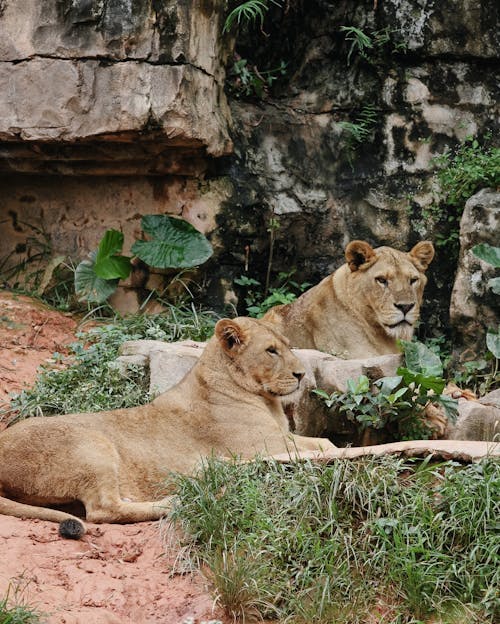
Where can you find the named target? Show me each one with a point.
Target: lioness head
(389, 284)
(258, 356)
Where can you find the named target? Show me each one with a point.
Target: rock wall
(112, 109)
(430, 83)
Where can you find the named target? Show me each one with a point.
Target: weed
(258, 303)
(174, 243)
(365, 44)
(360, 131)
(15, 611)
(306, 542)
(461, 173)
(248, 12)
(247, 80)
(92, 381)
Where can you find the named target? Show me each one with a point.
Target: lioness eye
(381, 280)
(413, 280)
(272, 351)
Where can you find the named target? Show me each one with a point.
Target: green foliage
(359, 40)
(308, 543)
(360, 131)
(466, 170)
(92, 380)
(108, 264)
(16, 612)
(88, 285)
(461, 173)
(479, 375)
(258, 303)
(364, 44)
(174, 243)
(396, 403)
(249, 12)
(249, 81)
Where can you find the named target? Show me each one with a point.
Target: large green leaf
(488, 253)
(420, 359)
(89, 286)
(108, 264)
(175, 243)
(493, 342)
(428, 382)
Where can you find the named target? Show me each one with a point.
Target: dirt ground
(117, 574)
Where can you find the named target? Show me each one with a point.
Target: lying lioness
(361, 309)
(114, 462)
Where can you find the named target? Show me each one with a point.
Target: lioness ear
(422, 254)
(357, 253)
(230, 335)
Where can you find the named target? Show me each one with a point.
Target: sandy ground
(117, 574)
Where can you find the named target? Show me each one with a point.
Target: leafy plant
(397, 403)
(461, 173)
(363, 43)
(309, 543)
(359, 131)
(15, 611)
(359, 40)
(174, 243)
(246, 79)
(249, 11)
(483, 374)
(258, 303)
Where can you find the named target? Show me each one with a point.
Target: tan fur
(115, 462)
(352, 313)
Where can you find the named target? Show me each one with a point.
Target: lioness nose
(299, 375)
(404, 307)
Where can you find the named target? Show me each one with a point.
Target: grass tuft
(409, 540)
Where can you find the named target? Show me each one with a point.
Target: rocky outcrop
(474, 307)
(111, 87)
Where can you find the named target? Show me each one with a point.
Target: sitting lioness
(361, 309)
(114, 462)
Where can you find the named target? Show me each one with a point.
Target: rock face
(110, 109)
(425, 84)
(107, 72)
(474, 307)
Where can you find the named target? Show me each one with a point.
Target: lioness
(362, 308)
(114, 462)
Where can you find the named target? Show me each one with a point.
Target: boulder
(477, 420)
(474, 307)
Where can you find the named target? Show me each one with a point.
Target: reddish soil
(117, 574)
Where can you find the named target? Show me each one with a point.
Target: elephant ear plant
(173, 244)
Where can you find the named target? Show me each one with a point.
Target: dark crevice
(107, 61)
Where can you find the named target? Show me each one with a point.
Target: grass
(91, 381)
(407, 541)
(16, 612)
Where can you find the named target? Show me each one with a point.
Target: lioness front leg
(101, 507)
